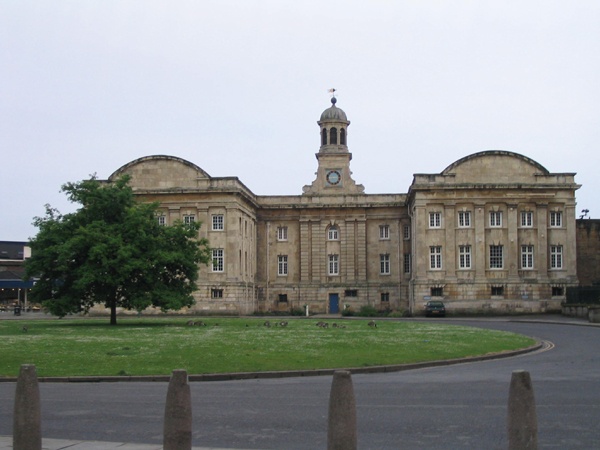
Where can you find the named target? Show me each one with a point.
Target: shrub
(367, 311)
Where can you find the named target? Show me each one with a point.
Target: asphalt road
(453, 407)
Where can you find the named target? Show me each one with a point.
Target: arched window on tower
(333, 136)
(324, 136)
(342, 136)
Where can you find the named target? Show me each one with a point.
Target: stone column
(341, 424)
(522, 417)
(27, 430)
(178, 413)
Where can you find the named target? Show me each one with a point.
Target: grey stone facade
(494, 231)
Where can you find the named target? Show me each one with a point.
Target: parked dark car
(435, 308)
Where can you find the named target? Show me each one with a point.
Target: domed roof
(333, 113)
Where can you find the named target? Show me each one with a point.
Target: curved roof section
(493, 153)
(161, 172)
(123, 169)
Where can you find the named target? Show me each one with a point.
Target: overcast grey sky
(236, 87)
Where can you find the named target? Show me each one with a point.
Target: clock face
(333, 177)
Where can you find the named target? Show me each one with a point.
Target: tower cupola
(334, 129)
(333, 174)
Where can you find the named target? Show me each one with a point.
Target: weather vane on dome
(332, 92)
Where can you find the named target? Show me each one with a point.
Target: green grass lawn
(156, 346)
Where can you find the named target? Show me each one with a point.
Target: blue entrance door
(334, 303)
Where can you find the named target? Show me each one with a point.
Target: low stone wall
(575, 310)
(594, 314)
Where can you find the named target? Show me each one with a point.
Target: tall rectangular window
(435, 220)
(334, 265)
(464, 256)
(385, 297)
(406, 232)
(495, 218)
(162, 220)
(218, 260)
(496, 257)
(218, 222)
(333, 233)
(282, 265)
(282, 233)
(407, 263)
(526, 219)
(526, 256)
(556, 257)
(384, 264)
(189, 218)
(435, 257)
(384, 232)
(555, 219)
(464, 219)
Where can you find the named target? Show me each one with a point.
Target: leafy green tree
(112, 251)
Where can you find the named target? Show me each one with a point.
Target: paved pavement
(6, 442)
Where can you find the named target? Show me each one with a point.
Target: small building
(13, 289)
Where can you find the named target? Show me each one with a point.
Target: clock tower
(333, 174)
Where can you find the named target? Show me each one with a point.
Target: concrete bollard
(27, 426)
(522, 417)
(341, 423)
(178, 413)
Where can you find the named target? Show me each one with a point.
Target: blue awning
(16, 284)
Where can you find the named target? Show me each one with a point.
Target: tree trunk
(113, 312)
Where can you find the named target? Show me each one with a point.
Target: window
(526, 256)
(282, 265)
(218, 224)
(384, 232)
(464, 256)
(334, 265)
(464, 219)
(333, 136)
(437, 291)
(496, 258)
(556, 259)
(189, 218)
(406, 232)
(407, 263)
(342, 136)
(498, 290)
(162, 220)
(350, 293)
(526, 219)
(435, 257)
(495, 218)
(555, 219)
(435, 220)
(216, 293)
(384, 264)
(283, 298)
(217, 258)
(558, 291)
(333, 234)
(385, 297)
(282, 234)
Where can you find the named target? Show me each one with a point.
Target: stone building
(495, 230)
